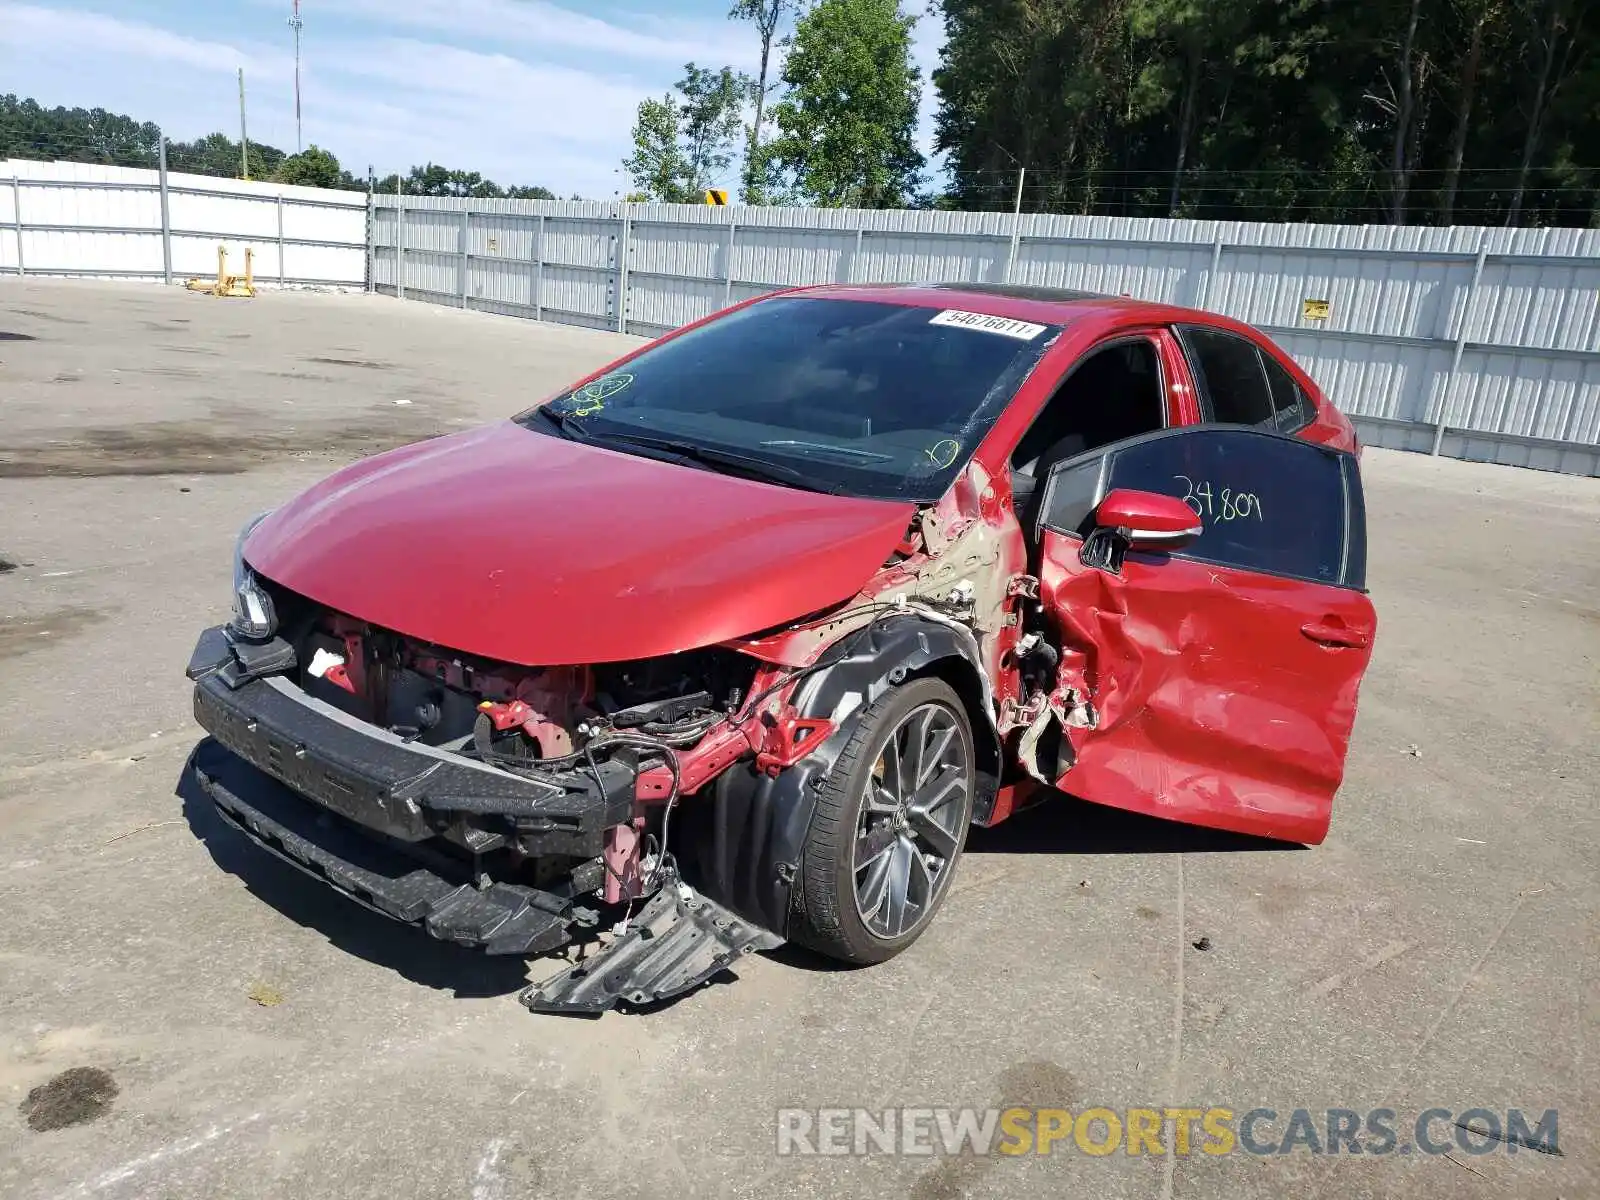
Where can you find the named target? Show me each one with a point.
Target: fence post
(538, 271)
(399, 245)
(166, 213)
(281, 273)
(727, 266)
(1446, 394)
(851, 276)
(463, 239)
(372, 233)
(16, 217)
(622, 268)
(1211, 274)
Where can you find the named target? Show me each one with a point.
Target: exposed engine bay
(529, 721)
(547, 804)
(510, 715)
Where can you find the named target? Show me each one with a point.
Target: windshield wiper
(846, 451)
(745, 464)
(568, 424)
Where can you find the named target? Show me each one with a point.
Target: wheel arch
(743, 837)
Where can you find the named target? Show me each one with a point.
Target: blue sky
(526, 91)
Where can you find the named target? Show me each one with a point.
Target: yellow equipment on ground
(243, 286)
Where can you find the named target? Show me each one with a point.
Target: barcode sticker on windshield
(1024, 331)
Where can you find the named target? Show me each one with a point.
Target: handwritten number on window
(1212, 505)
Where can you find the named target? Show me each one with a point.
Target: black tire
(827, 916)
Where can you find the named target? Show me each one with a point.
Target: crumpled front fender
(743, 837)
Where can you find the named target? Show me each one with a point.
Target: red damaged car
(731, 642)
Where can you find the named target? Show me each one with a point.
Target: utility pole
(295, 23)
(1016, 223)
(244, 138)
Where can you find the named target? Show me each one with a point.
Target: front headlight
(253, 615)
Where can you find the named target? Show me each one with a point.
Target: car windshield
(848, 396)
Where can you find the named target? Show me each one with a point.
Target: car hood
(527, 548)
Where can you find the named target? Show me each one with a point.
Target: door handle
(1328, 634)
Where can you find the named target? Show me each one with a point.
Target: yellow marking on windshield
(943, 452)
(592, 396)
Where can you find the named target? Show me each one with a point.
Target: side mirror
(1149, 520)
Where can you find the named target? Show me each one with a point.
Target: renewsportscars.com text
(1099, 1131)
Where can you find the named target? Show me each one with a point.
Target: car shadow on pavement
(355, 930)
(1063, 824)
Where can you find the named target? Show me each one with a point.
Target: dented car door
(1221, 676)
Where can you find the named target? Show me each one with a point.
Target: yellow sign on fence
(716, 195)
(1315, 310)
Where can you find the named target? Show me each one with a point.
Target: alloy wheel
(910, 825)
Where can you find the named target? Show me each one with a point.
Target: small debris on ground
(266, 995)
(6, 564)
(139, 829)
(76, 1095)
(1414, 751)
(183, 489)
(1083, 883)
(1203, 944)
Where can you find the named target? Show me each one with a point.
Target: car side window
(1265, 502)
(1113, 393)
(1231, 377)
(1291, 406)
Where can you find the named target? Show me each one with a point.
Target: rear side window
(1230, 377)
(1355, 553)
(1290, 405)
(1266, 503)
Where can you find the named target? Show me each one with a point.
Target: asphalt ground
(264, 1037)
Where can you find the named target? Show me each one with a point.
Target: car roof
(1023, 302)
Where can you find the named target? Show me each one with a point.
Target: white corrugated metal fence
(80, 219)
(1480, 343)
(1477, 343)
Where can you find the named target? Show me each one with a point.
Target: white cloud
(524, 91)
(498, 88)
(514, 121)
(66, 33)
(548, 27)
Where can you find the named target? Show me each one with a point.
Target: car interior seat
(1116, 394)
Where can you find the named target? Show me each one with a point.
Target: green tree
(1184, 52)
(684, 142)
(93, 135)
(658, 166)
(218, 154)
(435, 180)
(847, 124)
(313, 167)
(710, 111)
(1480, 19)
(765, 15)
(1482, 111)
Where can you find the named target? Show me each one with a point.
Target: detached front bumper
(397, 826)
(405, 790)
(434, 895)
(401, 829)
